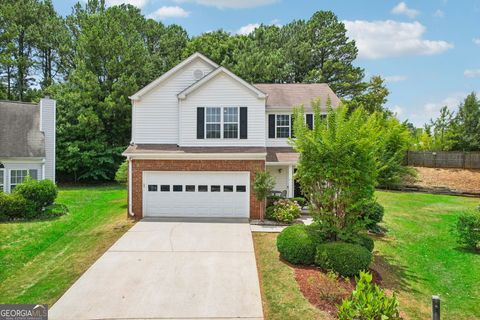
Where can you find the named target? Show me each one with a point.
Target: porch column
(291, 188)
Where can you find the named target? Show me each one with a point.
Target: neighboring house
(27, 142)
(199, 135)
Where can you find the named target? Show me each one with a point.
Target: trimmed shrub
(363, 240)
(14, 206)
(468, 230)
(121, 176)
(285, 210)
(372, 213)
(269, 213)
(347, 259)
(368, 302)
(40, 193)
(296, 245)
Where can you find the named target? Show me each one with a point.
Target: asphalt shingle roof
(20, 134)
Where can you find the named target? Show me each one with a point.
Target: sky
(427, 51)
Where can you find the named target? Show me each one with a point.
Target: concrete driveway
(170, 270)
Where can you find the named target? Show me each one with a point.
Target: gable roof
(287, 95)
(213, 74)
(20, 134)
(137, 95)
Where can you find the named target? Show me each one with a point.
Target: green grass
(421, 257)
(281, 296)
(417, 258)
(40, 260)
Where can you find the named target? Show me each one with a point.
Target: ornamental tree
(337, 169)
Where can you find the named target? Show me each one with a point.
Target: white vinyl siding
(31, 167)
(280, 174)
(47, 125)
(222, 91)
(155, 115)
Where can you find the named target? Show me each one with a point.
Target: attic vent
(197, 74)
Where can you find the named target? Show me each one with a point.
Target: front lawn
(417, 258)
(40, 260)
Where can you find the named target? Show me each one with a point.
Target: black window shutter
(309, 120)
(200, 123)
(243, 123)
(292, 133)
(271, 126)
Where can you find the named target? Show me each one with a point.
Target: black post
(435, 308)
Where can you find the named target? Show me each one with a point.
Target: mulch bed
(323, 291)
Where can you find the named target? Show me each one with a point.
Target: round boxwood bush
(372, 213)
(40, 193)
(365, 241)
(347, 259)
(296, 245)
(14, 206)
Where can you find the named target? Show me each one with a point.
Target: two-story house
(199, 135)
(27, 142)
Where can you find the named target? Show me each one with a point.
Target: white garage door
(196, 194)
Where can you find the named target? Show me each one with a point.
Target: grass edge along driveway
(40, 260)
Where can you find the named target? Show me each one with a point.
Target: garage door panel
(225, 203)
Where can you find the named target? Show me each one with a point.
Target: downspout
(130, 211)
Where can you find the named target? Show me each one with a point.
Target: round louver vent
(197, 74)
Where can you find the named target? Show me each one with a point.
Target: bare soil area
(465, 180)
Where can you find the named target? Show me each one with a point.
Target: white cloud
(247, 29)
(476, 41)
(439, 14)
(431, 110)
(388, 38)
(395, 78)
(231, 4)
(402, 8)
(472, 73)
(169, 12)
(397, 110)
(136, 3)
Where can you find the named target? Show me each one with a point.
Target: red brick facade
(138, 166)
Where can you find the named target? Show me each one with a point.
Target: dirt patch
(325, 290)
(465, 180)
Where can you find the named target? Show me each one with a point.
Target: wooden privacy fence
(444, 159)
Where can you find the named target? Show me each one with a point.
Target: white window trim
(222, 122)
(283, 126)
(17, 183)
(3, 187)
(208, 122)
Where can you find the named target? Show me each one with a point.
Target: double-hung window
(213, 123)
(17, 177)
(230, 123)
(283, 125)
(222, 123)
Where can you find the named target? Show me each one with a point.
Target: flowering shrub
(285, 210)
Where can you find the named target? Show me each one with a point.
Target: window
(283, 125)
(213, 123)
(177, 188)
(165, 188)
(227, 188)
(152, 187)
(190, 188)
(202, 188)
(16, 177)
(215, 188)
(2, 180)
(230, 123)
(241, 188)
(33, 173)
